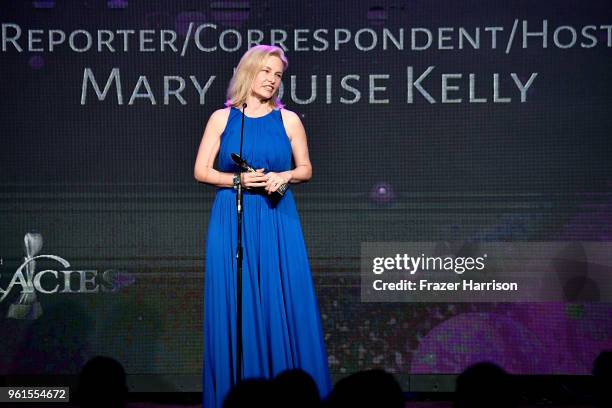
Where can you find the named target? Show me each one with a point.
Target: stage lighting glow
(36, 62)
(186, 17)
(231, 13)
(377, 16)
(44, 4)
(117, 4)
(382, 193)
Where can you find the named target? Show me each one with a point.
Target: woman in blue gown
(281, 328)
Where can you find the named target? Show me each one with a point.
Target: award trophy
(276, 196)
(28, 307)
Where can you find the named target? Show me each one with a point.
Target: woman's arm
(299, 147)
(209, 147)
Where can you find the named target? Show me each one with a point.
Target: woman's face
(268, 79)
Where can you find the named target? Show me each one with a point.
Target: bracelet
(236, 181)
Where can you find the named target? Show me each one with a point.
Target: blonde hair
(250, 64)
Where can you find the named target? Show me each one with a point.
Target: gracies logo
(51, 281)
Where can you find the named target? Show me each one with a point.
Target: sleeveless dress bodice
(265, 142)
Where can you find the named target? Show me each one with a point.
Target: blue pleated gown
(281, 326)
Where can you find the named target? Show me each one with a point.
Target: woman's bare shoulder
(290, 117)
(218, 119)
(221, 114)
(293, 124)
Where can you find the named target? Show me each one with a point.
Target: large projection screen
(427, 121)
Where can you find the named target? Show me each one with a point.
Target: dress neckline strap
(255, 117)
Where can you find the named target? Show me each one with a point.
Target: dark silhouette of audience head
(602, 373)
(255, 392)
(297, 389)
(484, 385)
(370, 388)
(102, 384)
(291, 388)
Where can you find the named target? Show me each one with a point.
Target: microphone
(242, 163)
(239, 265)
(276, 196)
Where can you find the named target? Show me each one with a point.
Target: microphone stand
(239, 267)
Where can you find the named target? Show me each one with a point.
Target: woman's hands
(270, 181)
(274, 181)
(251, 180)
